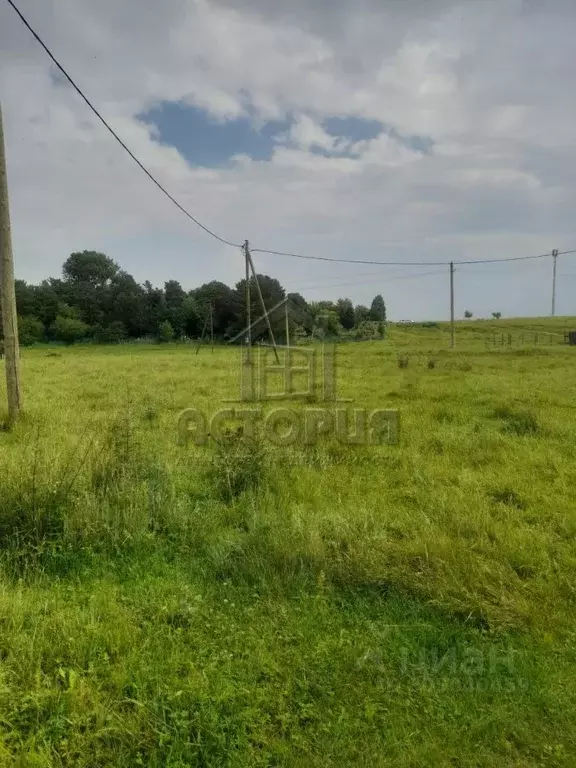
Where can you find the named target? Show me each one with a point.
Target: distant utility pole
(287, 321)
(248, 308)
(8, 294)
(555, 258)
(262, 302)
(211, 327)
(452, 336)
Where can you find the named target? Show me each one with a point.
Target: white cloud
(489, 82)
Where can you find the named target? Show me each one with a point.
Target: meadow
(244, 605)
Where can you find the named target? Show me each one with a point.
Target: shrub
(518, 422)
(30, 330)
(112, 334)
(69, 330)
(240, 463)
(165, 332)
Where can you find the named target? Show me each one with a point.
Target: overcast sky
(401, 130)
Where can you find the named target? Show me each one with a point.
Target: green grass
(407, 605)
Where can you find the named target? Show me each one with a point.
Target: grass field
(404, 605)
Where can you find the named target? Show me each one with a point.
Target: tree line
(96, 300)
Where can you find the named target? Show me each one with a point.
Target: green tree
(89, 267)
(86, 282)
(174, 296)
(378, 309)
(327, 325)
(45, 303)
(125, 303)
(30, 330)
(193, 322)
(468, 314)
(361, 314)
(24, 298)
(273, 294)
(496, 315)
(300, 315)
(154, 308)
(112, 334)
(69, 329)
(345, 310)
(165, 332)
(224, 302)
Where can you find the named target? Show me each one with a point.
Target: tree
(69, 329)
(113, 334)
(45, 303)
(174, 296)
(125, 303)
(85, 285)
(154, 308)
(345, 310)
(361, 314)
(165, 332)
(496, 315)
(300, 315)
(468, 314)
(24, 298)
(192, 321)
(378, 310)
(30, 330)
(89, 267)
(273, 294)
(225, 307)
(327, 325)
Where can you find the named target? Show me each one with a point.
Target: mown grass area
(249, 605)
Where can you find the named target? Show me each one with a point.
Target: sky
(380, 130)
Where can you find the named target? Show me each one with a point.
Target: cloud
(472, 160)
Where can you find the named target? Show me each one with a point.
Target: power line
(407, 263)
(113, 132)
(353, 261)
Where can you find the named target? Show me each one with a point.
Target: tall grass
(245, 605)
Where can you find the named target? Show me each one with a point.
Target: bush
(30, 330)
(113, 334)
(165, 332)
(240, 464)
(69, 330)
(518, 422)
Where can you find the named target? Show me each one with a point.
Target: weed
(509, 497)
(518, 422)
(240, 463)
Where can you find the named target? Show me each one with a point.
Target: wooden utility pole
(287, 322)
(555, 258)
(248, 307)
(8, 294)
(452, 335)
(259, 290)
(211, 327)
